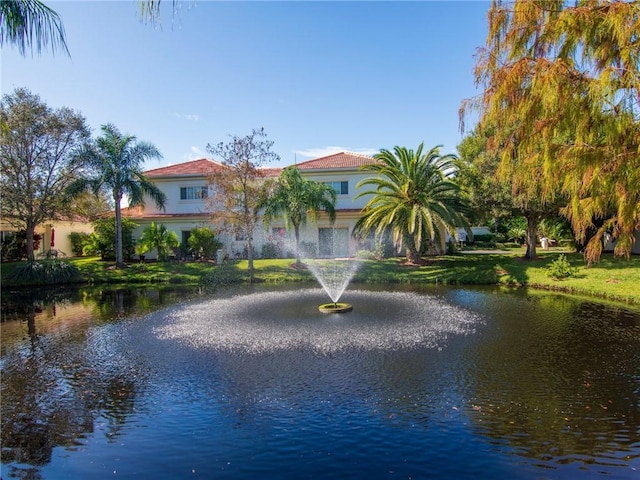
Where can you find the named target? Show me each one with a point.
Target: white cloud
(330, 150)
(194, 154)
(192, 117)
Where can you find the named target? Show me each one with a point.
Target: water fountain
(279, 320)
(334, 275)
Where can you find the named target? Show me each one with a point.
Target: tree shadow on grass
(453, 269)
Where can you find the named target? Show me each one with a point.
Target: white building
(187, 191)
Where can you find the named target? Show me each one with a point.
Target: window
(341, 188)
(194, 193)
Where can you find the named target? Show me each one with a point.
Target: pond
(431, 382)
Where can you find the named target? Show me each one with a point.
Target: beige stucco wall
(60, 231)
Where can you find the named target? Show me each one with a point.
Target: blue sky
(318, 76)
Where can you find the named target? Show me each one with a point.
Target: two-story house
(188, 204)
(342, 171)
(186, 189)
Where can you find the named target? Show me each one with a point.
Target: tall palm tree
(29, 23)
(294, 198)
(118, 158)
(413, 197)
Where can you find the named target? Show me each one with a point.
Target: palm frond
(30, 23)
(411, 195)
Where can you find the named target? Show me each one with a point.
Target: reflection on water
(560, 388)
(59, 374)
(433, 383)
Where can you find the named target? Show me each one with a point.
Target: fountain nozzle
(335, 307)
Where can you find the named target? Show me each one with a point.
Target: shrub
(203, 243)
(517, 234)
(104, 242)
(158, 237)
(366, 255)
(78, 241)
(517, 230)
(560, 269)
(141, 250)
(14, 246)
(271, 250)
(92, 245)
(9, 249)
(45, 272)
(383, 248)
(221, 275)
(485, 238)
(308, 249)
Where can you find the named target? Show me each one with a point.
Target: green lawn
(95, 271)
(615, 279)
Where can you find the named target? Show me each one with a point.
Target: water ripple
(271, 321)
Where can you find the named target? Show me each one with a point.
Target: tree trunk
(120, 302)
(119, 257)
(532, 232)
(250, 257)
(29, 234)
(296, 230)
(413, 255)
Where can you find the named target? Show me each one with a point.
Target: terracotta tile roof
(203, 166)
(271, 171)
(139, 213)
(128, 212)
(337, 160)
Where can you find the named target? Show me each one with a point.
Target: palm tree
(160, 238)
(293, 197)
(26, 23)
(118, 160)
(413, 197)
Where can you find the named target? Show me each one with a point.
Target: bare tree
(238, 188)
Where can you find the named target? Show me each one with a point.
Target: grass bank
(613, 278)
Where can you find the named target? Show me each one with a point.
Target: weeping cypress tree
(562, 89)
